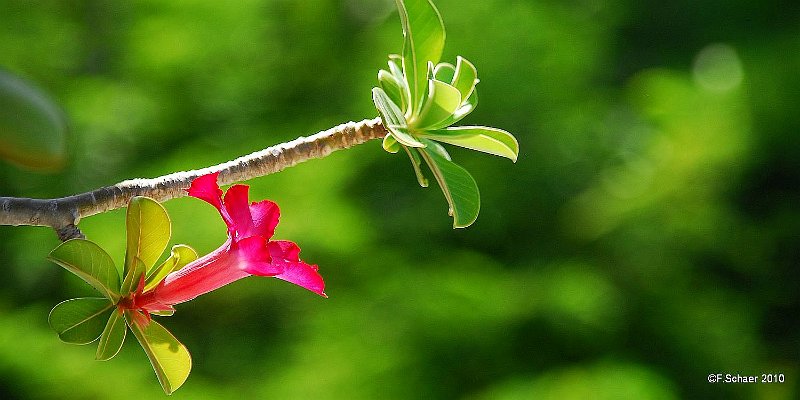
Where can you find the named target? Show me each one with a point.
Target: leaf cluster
(81, 320)
(420, 98)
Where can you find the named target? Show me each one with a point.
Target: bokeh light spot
(717, 68)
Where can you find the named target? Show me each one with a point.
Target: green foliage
(488, 140)
(91, 263)
(136, 273)
(424, 97)
(423, 32)
(32, 128)
(393, 119)
(458, 186)
(80, 320)
(112, 338)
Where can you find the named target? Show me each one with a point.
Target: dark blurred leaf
(32, 128)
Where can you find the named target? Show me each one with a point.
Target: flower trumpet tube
(248, 250)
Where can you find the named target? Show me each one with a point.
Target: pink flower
(248, 251)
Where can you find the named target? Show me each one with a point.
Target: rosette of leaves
(84, 320)
(420, 98)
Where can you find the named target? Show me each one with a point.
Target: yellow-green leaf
(465, 78)
(390, 144)
(466, 107)
(441, 103)
(488, 140)
(169, 357)
(149, 229)
(180, 255)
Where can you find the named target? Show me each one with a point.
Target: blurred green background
(647, 237)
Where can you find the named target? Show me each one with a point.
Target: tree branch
(63, 214)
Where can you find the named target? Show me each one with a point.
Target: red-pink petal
(249, 220)
(265, 218)
(205, 188)
(255, 257)
(286, 255)
(210, 272)
(238, 210)
(247, 251)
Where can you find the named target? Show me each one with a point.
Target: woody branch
(63, 214)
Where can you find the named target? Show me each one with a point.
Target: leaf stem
(63, 214)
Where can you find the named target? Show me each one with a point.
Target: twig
(63, 214)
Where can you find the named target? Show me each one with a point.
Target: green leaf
(91, 263)
(433, 146)
(393, 118)
(392, 87)
(488, 140)
(416, 162)
(169, 357)
(390, 144)
(112, 338)
(32, 128)
(180, 255)
(396, 68)
(444, 72)
(442, 101)
(466, 107)
(424, 35)
(466, 77)
(149, 230)
(134, 275)
(79, 321)
(458, 186)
